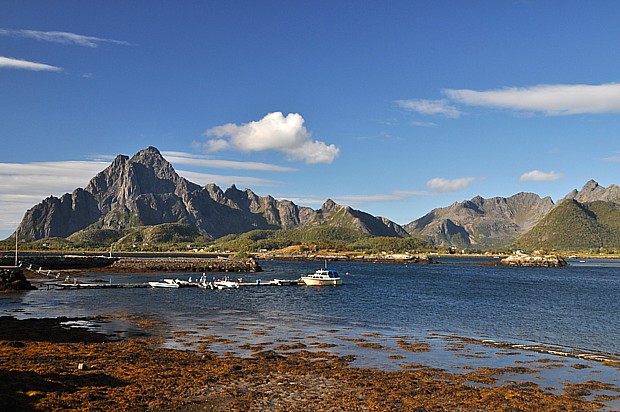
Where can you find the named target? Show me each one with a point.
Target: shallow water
(573, 309)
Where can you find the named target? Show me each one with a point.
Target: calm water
(576, 306)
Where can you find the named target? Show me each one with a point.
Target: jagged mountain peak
(329, 205)
(481, 222)
(592, 191)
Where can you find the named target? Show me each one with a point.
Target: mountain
(585, 219)
(145, 190)
(573, 225)
(592, 192)
(481, 223)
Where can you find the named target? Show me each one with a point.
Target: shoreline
(47, 366)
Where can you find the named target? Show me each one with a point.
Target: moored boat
(166, 283)
(323, 277)
(225, 283)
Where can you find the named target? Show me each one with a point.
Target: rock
(536, 259)
(14, 279)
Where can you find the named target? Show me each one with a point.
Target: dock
(75, 284)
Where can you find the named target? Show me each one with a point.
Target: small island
(537, 259)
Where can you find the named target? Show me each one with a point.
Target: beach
(48, 365)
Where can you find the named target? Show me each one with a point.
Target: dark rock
(14, 279)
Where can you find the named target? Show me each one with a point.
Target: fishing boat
(322, 277)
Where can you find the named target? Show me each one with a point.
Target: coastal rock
(536, 259)
(14, 279)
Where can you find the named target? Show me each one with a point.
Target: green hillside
(576, 226)
(321, 237)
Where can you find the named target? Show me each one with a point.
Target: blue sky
(394, 108)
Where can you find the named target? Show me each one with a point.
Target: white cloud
(9, 63)
(353, 200)
(552, 100)
(194, 160)
(537, 175)
(273, 132)
(24, 185)
(395, 196)
(203, 179)
(449, 185)
(61, 37)
(433, 107)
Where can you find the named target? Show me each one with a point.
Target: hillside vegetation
(576, 226)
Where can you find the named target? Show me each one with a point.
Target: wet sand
(46, 365)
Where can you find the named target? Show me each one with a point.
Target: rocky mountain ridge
(480, 222)
(145, 190)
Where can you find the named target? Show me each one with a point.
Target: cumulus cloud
(537, 175)
(273, 132)
(9, 63)
(449, 185)
(432, 107)
(61, 37)
(553, 100)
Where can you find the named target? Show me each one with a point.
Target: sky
(394, 108)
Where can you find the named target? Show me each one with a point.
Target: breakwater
(59, 262)
(183, 264)
(374, 258)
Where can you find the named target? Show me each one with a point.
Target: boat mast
(16, 230)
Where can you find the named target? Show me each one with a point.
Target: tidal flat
(68, 364)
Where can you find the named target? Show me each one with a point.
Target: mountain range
(145, 191)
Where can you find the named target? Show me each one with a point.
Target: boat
(166, 283)
(322, 277)
(225, 283)
(203, 283)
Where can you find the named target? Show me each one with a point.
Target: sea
(467, 313)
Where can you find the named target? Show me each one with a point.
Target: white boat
(166, 283)
(225, 284)
(323, 277)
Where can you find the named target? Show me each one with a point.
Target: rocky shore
(46, 366)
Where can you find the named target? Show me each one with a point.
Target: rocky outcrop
(536, 259)
(480, 222)
(14, 279)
